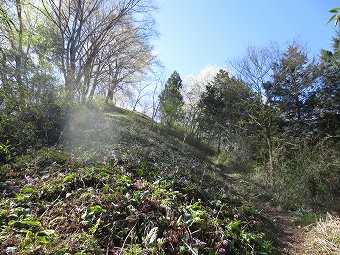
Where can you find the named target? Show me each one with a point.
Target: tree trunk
(219, 144)
(3, 71)
(94, 86)
(114, 82)
(109, 95)
(270, 153)
(93, 89)
(19, 50)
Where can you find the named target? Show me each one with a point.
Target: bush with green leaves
(32, 126)
(305, 176)
(5, 152)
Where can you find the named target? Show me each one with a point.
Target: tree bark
(3, 73)
(19, 50)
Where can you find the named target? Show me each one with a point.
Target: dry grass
(324, 238)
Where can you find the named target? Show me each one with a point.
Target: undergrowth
(118, 185)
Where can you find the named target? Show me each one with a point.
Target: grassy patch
(324, 238)
(307, 219)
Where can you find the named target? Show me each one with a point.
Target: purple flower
(122, 169)
(225, 242)
(236, 216)
(221, 250)
(199, 242)
(4, 193)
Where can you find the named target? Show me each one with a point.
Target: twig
(191, 249)
(52, 204)
(121, 250)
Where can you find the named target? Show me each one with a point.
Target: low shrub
(304, 176)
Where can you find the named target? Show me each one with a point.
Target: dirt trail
(288, 236)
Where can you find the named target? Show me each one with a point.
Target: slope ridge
(119, 183)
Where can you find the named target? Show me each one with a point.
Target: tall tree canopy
(224, 106)
(171, 100)
(99, 42)
(328, 94)
(294, 76)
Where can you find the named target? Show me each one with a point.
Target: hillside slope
(119, 183)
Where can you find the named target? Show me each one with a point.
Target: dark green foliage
(294, 76)
(307, 177)
(224, 107)
(308, 100)
(287, 140)
(171, 100)
(33, 125)
(327, 96)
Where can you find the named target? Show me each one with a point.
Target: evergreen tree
(225, 106)
(328, 94)
(171, 100)
(293, 80)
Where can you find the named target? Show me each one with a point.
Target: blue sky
(198, 33)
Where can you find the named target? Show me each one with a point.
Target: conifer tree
(294, 77)
(171, 100)
(328, 94)
(224, 106)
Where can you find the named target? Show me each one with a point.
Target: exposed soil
(288, 235)
(283, 228)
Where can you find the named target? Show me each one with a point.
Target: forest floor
(122, 184)
(121, 179)
(292, 232)
(284, 228)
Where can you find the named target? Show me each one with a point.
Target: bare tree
(86, 31)
(142, 95)
(131, 60)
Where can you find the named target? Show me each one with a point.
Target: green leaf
(94, 228)
(31, 223)
(179, 221)
(68, 177)
(27, 190)
(21, 198)
(337, 19)
(42, 239)
(4, 214)
(140, 172)
(47, 232)
(12, 222)
(335, 10)
(246, 236)
(182, 249)
(331, 19)
(96, 209)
